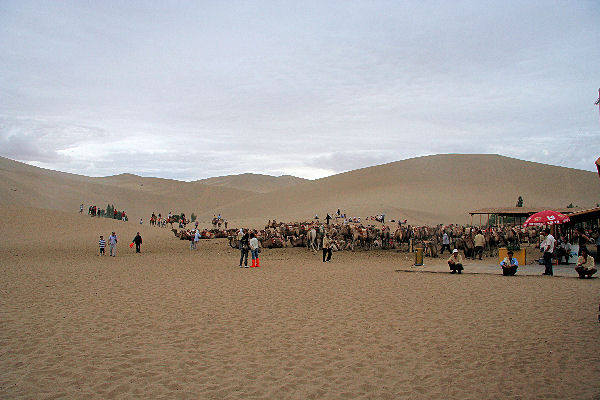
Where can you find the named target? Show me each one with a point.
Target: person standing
(244, 243)
(254, 250)
(138, 242)
(479, 242)
(328, 218)
(598, 246)
(509, 265)
(445, 243)
(582, 239)
(548, 248)
(102, 244)
(81, 209)
(196, 239)
(112, 242)
(455, 262)
(327, 248)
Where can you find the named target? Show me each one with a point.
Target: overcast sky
(189, 90)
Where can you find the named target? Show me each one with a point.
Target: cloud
(315, 88)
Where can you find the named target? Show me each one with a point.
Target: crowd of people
(248, 243)
(109, 212)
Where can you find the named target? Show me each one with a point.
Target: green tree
(109, 211)
(571, 206)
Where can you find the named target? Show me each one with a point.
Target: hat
(510, 252)
(455, 251)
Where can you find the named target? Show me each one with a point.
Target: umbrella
(546, 217)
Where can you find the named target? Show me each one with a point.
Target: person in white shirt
(112, 242)
(254, 250)
(196, 239)
(445, 243)
(548, 248)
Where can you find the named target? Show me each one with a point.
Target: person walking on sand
(102, 244)
(196, 239)
(455, 262)
(244, 244)
(509, 264)
(585, 265)
(138, 242)
(254, 250)
(327, 248)
(112, 242)
(548, 248)
(479, 242)
(445, 243)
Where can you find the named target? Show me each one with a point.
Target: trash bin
(419, 256)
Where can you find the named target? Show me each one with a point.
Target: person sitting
(509, 265)
(563, 250)
(455, 262)
(585, 264)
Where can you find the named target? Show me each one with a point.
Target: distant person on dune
(102, 244)
(112, 242)
(138, 242)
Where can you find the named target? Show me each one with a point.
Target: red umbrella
(546, 217)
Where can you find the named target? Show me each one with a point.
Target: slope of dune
(254, 182)
(24, 185)
(432, 189)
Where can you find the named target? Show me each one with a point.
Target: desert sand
(175, 323)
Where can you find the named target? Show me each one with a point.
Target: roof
(584, 215)
(516, 211)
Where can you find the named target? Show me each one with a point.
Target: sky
(190, 90)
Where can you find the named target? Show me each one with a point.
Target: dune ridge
(423, 190)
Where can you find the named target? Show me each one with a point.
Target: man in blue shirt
(509, 265)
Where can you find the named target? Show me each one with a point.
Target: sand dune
(254, 182)
(424, 190)
(434, 189)
(29, 186)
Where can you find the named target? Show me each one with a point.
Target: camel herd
(357, 236)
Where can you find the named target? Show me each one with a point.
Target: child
(102, 244)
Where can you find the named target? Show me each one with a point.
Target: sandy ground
(175, 323)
